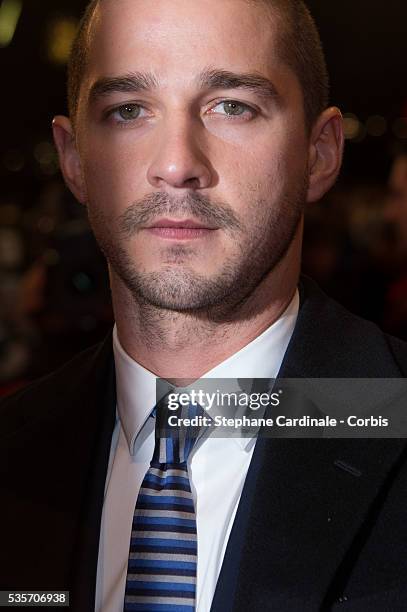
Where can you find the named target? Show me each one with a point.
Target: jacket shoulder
(329, 341)
(55, 392)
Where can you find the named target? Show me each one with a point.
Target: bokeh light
(376, 126)
(10, 12)
(61, 34)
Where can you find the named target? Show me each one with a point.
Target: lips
(187, 229)
(186, 224)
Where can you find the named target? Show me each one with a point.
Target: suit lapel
(307, 503)
(54, 453)
(305, 515)
(93, 448)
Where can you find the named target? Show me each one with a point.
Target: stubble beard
(176, 288)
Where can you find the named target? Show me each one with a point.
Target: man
(198, 133)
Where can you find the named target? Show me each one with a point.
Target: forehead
(175, 38)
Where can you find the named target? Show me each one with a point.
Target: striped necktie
(161, 574)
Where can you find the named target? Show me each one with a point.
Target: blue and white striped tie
(161, 574)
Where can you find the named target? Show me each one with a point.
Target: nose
(179, 160)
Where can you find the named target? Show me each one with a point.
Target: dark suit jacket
(307, 535)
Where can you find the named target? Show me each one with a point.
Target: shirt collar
(136, 392)
(261, 358)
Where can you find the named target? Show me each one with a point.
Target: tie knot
(176, 431)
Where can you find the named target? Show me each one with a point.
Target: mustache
(144, 211)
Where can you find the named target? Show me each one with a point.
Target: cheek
(271, 171)
(112, 174)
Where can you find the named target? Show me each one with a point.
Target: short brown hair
(300, 46)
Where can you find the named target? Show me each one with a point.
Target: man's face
(190, 145)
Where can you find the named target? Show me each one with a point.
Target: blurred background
(54, 293)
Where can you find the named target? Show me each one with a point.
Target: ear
(69, 159)
(326, 152)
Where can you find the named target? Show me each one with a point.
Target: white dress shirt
(217, 466)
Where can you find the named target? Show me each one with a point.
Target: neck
(185, 345)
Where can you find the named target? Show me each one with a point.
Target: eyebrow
(251, 81)
(209, 79)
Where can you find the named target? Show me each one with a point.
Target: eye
(232, 108)
(127, 112)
